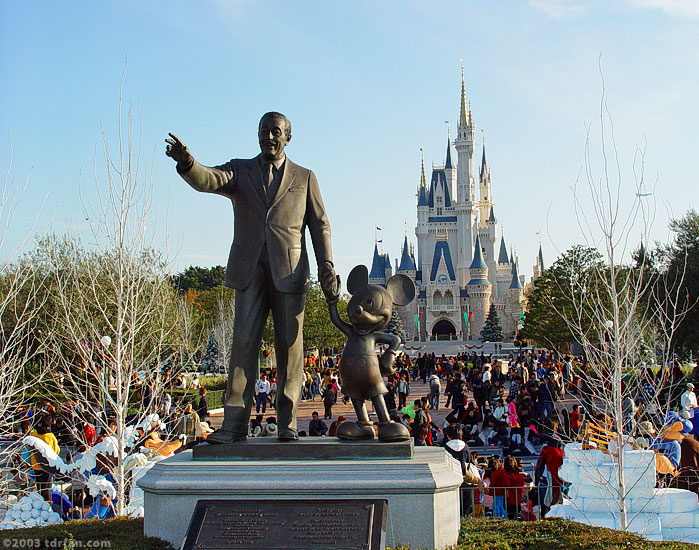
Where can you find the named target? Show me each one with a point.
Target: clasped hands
(329, 283)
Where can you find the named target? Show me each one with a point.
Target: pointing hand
(177, 150)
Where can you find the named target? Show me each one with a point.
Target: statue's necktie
(269, 177)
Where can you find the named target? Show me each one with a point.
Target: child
(498, 482)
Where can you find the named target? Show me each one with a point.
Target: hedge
(120, 533)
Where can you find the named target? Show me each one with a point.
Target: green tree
(492, 329)
(395, 326)
(678, 286)
(199, 278)
(557, 296)
(318, 330)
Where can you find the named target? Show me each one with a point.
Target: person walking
(403, 391)
(435, 390)
(262, 388)
(328, 402)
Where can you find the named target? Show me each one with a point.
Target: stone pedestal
(422, 491)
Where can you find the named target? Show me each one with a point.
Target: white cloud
(678, 8)
(559, 9)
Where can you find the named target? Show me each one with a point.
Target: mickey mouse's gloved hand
(330, 283)
(386, 362)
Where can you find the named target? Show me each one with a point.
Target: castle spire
(463, 115)
(422, 191)
(447, 163)
(483, 162)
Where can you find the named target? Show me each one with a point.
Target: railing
(492, 502)
(480, 502)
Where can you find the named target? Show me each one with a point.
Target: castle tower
(486, 197)
(464, 149)
(515, 303)
(488, 241)
(539, 265)
(503, 270)
(466, 206)
(450, 170)
(377, 274)
(422, 215)
(479, 291)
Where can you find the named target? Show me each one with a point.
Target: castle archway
(443, 329)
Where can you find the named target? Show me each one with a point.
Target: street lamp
(520, 326)
(106, 341)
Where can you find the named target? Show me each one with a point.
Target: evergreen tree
(492, 330)
(211, 362)
(395, 326)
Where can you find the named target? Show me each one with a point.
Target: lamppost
(106, 341)
(520, 340)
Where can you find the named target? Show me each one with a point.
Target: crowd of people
(513, 409)
(164, 425)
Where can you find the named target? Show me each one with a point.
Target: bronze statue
(361, 371)
(274, 200)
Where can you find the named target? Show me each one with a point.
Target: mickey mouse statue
(361, 371)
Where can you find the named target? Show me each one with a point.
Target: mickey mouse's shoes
(355, 431)
(393, 431)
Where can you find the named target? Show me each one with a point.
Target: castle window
(439, 211)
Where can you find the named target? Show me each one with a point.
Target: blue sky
(366, 85)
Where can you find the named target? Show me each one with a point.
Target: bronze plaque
(342, 524)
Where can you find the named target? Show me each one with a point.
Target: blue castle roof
(442, 249)
(406, 262)
(439, 176)
(422, 197)
(516, 283)
(448, 164)
(478, 259)
(378, 265)
(503, 258)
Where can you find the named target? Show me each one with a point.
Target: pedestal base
(422, 491)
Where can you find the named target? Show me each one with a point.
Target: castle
(463, 265)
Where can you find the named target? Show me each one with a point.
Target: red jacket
(516, 482)
(498, 481)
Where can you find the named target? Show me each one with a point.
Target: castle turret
(539, 265)
(422, 215)
(503, 270)
(515, 303)
(479, 290)
(486, 196)
(406, 266)
(450, 170)
(464, 148)
(377, 275)
(466, 205)
(488, 242)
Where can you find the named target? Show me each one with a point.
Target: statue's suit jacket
(281, 224)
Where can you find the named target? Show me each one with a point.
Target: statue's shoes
(393, 431)
(220, 437)
(354, 431)
(287, 434)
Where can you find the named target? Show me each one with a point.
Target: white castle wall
(657, 514)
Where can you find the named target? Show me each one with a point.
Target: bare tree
(20, 301)
(116, 314)
(619, 311)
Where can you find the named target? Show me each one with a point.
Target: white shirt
(262, 386)
(486, 376)
(500, 413)
(689, 400)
